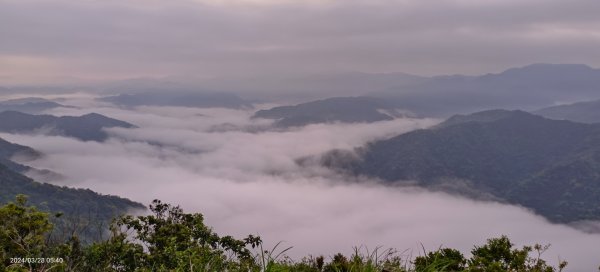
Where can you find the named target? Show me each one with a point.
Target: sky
(66, 41)
(248, 182)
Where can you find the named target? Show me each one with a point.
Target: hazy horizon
(56, 41)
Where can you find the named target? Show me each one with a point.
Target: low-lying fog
(243, 178)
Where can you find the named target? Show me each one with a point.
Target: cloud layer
(246, 182)
(61, 39)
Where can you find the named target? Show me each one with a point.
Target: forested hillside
(547, 165)
(80, 210)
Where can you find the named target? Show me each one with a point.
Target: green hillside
(549, 166)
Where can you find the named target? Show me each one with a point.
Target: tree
(22, 234)
(498, 255)
(444, 259)
(170, 239)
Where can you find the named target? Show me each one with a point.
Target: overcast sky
(55, 40)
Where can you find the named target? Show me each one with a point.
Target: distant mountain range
(530, 87)
(31, 105)
(179, 99)
(584, 112)
(87, 127)
(301, 88)
(549, 166)
(337, 109)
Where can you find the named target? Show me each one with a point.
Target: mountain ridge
(529, 87)
(88, 127)
(182, 99)
(31, 105)
(520, 158)
(330, 110)
(584, 112)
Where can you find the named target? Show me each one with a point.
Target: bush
(171, 240)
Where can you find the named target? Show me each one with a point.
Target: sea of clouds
(244, 178)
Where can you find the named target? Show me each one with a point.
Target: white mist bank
(248, 183)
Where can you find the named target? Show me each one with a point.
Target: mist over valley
(248, 180)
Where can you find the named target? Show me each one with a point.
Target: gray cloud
(120, 39)
(248, 183)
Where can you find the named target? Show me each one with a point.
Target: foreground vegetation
(171, 240)
(83, 212)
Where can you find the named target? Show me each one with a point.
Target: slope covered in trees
(547, 165)
(85, 210)
(9, 150)
(81, 209)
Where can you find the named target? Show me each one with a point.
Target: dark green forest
(548, 166)
(168, 239)
(81, 211)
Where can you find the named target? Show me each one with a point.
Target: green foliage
(166, 240)
(171, 240)
(445, 259)
(22, 231)
(83, 211)
(498, 255)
